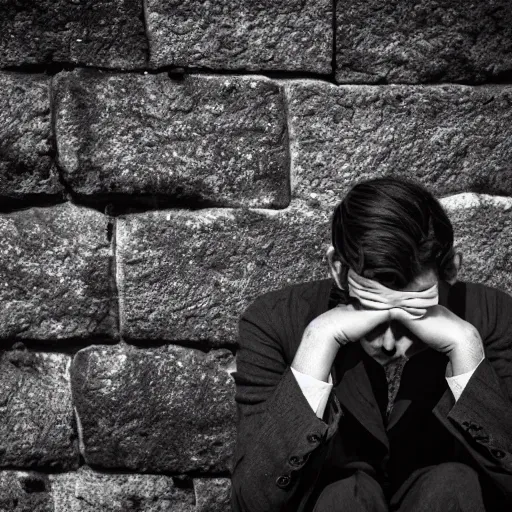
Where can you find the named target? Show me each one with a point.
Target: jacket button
(313, 438)
(498, 454)
(283, 481)
(295, 461)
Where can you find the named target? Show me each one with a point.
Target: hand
(445, 332)
(346, 323)
(325, 334)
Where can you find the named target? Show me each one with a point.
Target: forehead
(425, 280)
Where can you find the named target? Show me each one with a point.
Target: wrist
(320, 334)
(316, 353)
(465, 355)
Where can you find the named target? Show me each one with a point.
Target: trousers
(446, 487)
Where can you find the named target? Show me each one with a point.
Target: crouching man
(387, 386)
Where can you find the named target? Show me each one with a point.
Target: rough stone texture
(37, 429)
(213, 494)
(417, 41)
(24, 491)
(452, 138)
(219, 140)
(188, 275)
(483, 233)
(106, 33)
(285, 35)
(26, 162)
(166, 409)
(91, 491)
(56, 280)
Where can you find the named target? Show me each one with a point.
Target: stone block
(203, 139)
(23, 491)
(56, 280)
(418, 41)
(188, 275)
(212, 494)
(285, 35)
(451, 138)
(27, 168)
(483, 234)
(105, 33)
(90, 491)
(167, 409)
(37, 430)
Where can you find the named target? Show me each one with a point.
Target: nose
(388, 341)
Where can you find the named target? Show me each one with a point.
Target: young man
(387, 387)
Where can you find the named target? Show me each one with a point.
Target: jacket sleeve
(281, 444)
(481, 419)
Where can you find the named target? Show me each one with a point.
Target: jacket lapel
(399, 409)
(354, 391)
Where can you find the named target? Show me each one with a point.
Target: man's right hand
(346, 323)
(325, 334)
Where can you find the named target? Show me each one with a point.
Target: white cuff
(316, 391)
(459, 382)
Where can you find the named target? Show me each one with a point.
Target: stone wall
(163, 163)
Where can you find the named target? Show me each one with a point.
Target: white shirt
(317, 391)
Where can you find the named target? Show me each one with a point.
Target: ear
(457, 263)
(335, 267)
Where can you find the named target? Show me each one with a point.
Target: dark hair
(392, 230)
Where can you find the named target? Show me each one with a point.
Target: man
(387, 387)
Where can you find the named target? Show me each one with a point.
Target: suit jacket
(285, 455)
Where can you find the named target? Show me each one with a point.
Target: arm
(481, 419)
(281, 443)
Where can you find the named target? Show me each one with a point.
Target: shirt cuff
(459, 382)
(316, 391)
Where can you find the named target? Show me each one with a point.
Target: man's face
(390, 341)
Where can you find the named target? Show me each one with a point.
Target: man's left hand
(445, 332)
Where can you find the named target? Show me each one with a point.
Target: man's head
(395, 232)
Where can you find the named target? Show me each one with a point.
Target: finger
(379, 289)
(358, 294)
(415, 312)
(418, 303)
(358, 286)
(407, 314)
(363, 283)
(395, 299)
(374, 304)
(385, 303)
(429, 293)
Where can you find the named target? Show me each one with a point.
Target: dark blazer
(285, 454)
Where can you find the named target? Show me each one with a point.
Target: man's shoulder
(488, 308)
(282, 314)
(313, 293)
(483, 292)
